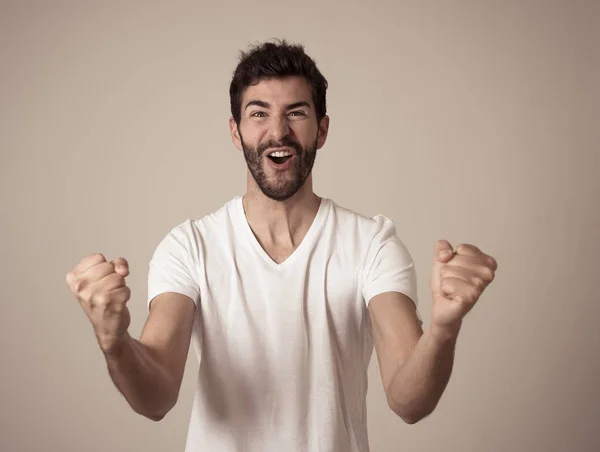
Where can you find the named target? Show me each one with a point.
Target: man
(283, 293)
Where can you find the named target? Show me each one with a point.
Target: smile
(280, 157)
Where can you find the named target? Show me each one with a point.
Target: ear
(235, 134)
(322, 132)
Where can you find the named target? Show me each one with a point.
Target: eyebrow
(263, 104)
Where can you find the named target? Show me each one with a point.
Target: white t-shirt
(283, 349)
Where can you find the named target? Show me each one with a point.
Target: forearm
(143, 381)
(418, 384)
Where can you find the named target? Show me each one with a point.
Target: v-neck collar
(306, 242)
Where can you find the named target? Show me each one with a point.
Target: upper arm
(173, 292)
(390, 291)
(168, 331)
(396, 331)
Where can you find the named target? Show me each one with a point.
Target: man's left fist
(458, 279)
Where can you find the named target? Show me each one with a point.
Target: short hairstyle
(274, 60)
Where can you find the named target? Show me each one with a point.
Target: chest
(321, 293)
(278, 254)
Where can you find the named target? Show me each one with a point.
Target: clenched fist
(100, 288)
(457, 281)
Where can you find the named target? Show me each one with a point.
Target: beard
(282, 185)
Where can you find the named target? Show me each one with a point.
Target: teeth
(280, 154)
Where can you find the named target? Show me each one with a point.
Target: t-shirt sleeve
(173, 267)
(389, 267)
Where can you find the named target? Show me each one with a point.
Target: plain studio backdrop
(475, 122)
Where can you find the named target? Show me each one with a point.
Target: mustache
(286, 142)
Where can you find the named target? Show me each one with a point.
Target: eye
(259, 114)
(297, 113)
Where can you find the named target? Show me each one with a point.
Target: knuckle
(106, 267)
(93, 259)
(79, 285)
(470, 295)
(119, 296)
(117, 281)
(478, 282)
(85, 297)
(125, 293)
(102, 299)
(488, 273)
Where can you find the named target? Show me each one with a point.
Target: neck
(281, 223)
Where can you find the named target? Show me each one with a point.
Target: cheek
(305, 133)
(251, 133)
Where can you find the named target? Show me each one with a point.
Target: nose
(279, 128)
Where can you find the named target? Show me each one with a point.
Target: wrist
(446, 333)
(118, 348)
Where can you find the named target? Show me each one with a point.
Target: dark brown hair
(274, 60)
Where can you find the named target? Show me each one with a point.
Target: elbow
(158, 413)
(156, 417)
(412, 419)
(411, 413)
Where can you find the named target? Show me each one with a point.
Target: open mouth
(280, 160)
(280, 157)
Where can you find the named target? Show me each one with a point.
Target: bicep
(168, 331)
(396, 331)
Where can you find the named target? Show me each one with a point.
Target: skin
(147, 371)
(279, 225)
(280, 206)
(415, 365)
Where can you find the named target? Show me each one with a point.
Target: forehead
(279, 91)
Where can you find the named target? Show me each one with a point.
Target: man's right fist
(100, 288)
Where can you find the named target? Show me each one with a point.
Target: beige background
(471, 121)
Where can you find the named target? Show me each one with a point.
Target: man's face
(279, 135)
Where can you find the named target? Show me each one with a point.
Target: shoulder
(361, 225)
(193, 232)
(219, 218)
